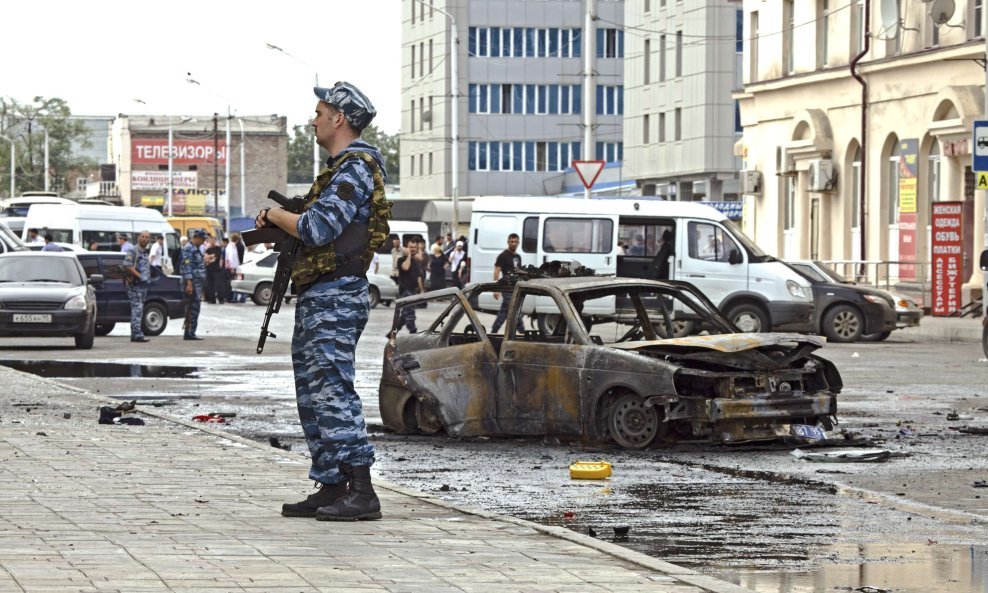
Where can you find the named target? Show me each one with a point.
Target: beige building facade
(844, 167)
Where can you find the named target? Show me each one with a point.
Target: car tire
(262, 294)
(84, 341)
(104, 329)
(631, 423)
(155, 319)
(548, 323)
(879, 337)
(749, 318)
(375, 296)
(843, 324)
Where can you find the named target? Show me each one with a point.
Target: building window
(413, 60)
(430, 163)
(648, 6)
(413, 12)
(517, 42)
(662, 128)
(933, 178)
(430, 57)
(609, 151)
(610, 43)
(81, 183)
(411, 165)
(753, 44)
(892, 191)
(645, 123)
(857, 28)
(662, 58)
(432, 114)
(822, 31)
(610, 100)
(422, 111)
(411, 116)
(977, 18)
(788, 59)
(647, 62)
(521, 156)
(679, 53)
(422, 58)
(789, 203)
(678, 125)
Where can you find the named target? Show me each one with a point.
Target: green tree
(300, 152)
(25, 124)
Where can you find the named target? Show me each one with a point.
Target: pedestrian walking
(455, 260)
(396, 252)
(409, 283)
(156, 257)
(232, 258)
(507, 261)
(214, 286)
(137, 269)
(193, 272)
(344, 221)
(437, 268)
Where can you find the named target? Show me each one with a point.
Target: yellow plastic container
(590, 470)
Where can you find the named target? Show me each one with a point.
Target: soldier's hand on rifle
(262, 219)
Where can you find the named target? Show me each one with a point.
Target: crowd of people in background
(442, 264)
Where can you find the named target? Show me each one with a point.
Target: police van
(647, 238)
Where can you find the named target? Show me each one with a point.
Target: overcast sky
(100, 55)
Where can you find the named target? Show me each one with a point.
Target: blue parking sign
(980, 144)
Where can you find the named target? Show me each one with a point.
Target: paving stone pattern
(176, 507)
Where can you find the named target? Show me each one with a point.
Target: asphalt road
(754, 515)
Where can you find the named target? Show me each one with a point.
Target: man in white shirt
(157, 251)
(455, 258)
(232, 262)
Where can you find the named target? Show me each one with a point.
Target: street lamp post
(243, 169)
(216, 154)
(13, 161)
(315, 145)
(454, 111)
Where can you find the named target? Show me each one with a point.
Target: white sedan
(255, 277)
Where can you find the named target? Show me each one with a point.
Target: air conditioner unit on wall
(751, 182)
(822, 175)
(784, 164)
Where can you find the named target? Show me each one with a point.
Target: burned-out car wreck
(599, 367)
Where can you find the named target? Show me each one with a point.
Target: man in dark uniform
(138, 273)
(213, 289)
(193, 273)
(507, 261)
(333, 305)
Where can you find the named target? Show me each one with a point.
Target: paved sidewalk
(176, 507)
(945, 329)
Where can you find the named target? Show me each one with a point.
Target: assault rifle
(289, 249)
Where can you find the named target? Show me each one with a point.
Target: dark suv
(164, 300)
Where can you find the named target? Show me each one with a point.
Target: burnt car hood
(740, 351)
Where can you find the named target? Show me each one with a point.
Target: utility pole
(13, 162)
(589, 38)
(216, 165)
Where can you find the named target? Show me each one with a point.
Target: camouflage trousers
(193, 303)
(137, 296)
(329, 318)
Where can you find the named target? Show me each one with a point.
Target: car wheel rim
(427, 418)
(846, 324)
(633, 424)
(747, 322)
(154, 319)
(264, 295)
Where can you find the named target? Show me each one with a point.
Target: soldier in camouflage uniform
(193, 272)
(333, 306)
(137, 272)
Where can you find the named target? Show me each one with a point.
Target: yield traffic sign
(588, 171)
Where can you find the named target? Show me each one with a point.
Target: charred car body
(602, 372)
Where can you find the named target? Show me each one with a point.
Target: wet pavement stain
(87, 369)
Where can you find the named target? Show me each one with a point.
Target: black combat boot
(360, 503)
(326, 495)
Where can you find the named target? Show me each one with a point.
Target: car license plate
(813, 433)
(31, 318)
